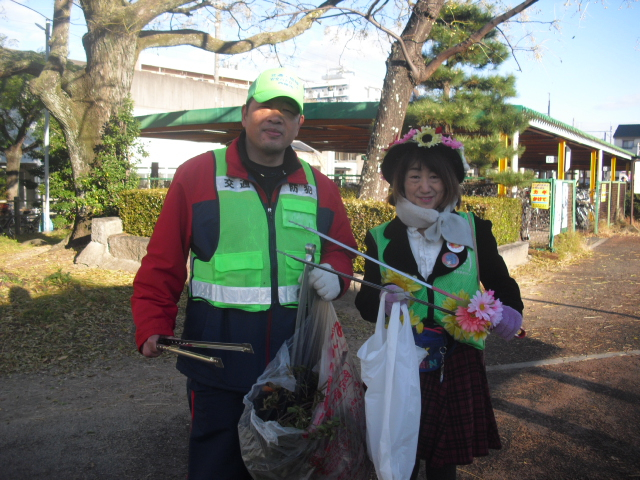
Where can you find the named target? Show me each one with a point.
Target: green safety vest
(463, 277)
(241, 272)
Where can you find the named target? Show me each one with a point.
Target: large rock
(94, 255)
(111, 249)
(128, 247)
(103, 228)
(515, 254)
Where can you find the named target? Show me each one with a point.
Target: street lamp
(45, 223)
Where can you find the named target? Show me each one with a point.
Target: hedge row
(140, 209)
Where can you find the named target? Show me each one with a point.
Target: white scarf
(446, 224)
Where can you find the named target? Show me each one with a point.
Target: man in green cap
(227, 212)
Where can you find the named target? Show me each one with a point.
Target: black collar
(289, 165)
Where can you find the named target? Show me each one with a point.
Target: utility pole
(549, 106)
(45, 221)
(216, 74)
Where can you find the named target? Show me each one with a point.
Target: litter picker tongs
(173, 345)
(357, 252)
(521, 333)
(407, 295)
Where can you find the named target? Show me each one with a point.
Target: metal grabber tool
(309, 264)
(305, 293)
(173, 345)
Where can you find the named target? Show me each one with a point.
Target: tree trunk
(14, 156)
(399, 83)
(83, 106)
(396, 90)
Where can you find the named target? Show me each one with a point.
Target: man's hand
(149, 348)
(327, 284)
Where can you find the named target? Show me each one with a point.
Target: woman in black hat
(430, 241)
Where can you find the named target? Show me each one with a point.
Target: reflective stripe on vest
(465, 277)
(239, 275)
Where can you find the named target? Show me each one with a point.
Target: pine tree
(462, 97)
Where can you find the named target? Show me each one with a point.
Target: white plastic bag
(389, 364)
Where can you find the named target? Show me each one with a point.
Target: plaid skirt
(457, 421)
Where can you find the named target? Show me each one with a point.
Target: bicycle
(30, 223)
(8, 226)
(585, 213)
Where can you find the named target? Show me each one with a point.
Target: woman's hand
(392, 298)
(510, 324)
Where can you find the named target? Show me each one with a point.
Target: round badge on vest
(450, 260)
(454, 247)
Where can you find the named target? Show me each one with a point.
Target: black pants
(214, 446)
(448, 472)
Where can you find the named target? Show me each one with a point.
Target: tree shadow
(67, 329)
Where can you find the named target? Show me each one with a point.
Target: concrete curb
(561, 360)
(596, 242)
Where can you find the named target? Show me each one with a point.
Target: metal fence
(345, 180)
(155, 176)
(609, 198)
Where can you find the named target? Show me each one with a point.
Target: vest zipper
(272, 253)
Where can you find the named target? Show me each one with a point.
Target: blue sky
(590, 67)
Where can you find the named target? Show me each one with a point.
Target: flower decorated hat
(425, 140)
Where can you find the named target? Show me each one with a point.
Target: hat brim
(266, 96)
(391, 160)
(395, 153)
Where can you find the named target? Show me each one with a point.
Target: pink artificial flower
(469, 322)
(496, 318)
(408, 136)
(451, 143)
(482, 305)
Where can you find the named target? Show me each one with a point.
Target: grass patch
(570, 247)
(58, 317)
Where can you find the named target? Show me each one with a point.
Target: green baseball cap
(277, 82)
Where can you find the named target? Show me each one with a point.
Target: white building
(168, 85)
(341, 85)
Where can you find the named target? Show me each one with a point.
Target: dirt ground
(567, 397)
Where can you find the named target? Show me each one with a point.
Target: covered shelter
(338, 127)
(551, 146)
(561, 151)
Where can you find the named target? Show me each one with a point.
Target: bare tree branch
(369, 17)
(513, 52)
(206, 41)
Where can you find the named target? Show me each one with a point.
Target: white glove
(327, 284)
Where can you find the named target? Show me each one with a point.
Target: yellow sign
(540, 194)
(603, 192)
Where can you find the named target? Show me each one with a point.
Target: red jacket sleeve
(163, 271)
(340, 229)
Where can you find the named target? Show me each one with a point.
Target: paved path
(567, 398)
(557, 419)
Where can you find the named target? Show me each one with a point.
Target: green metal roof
(575, 132)
(340, 126)
(346, 127)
